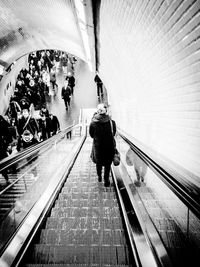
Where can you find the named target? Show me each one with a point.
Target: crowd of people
(19, 128)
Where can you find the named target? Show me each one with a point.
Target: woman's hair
(101, 108)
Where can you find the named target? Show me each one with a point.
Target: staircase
(85, 226)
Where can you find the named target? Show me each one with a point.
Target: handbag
(116, 158)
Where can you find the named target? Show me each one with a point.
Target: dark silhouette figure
(66, 94)
(103, 146)
(99, 84)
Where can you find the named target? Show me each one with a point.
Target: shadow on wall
(132, 159)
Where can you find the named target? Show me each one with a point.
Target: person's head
(101, 108)
(66, 83)
(25, 113)
(32, 82)
(44, 107)
(43, 117)
(19, 82)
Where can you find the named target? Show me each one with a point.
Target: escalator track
(85, 225)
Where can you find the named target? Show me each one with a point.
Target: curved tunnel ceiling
(29, 25)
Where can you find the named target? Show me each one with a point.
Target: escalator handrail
(8, 161)
(183, 192)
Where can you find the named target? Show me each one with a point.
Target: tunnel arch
(37, 25)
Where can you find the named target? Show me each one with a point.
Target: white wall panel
(150, 64)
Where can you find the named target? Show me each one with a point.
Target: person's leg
(98, 90)
(106, 175)
(101, 90)
(66, 103)
(99, 170)
(72, 89)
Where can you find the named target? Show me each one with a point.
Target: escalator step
(82, 237)
(84, 223)
(76, 254)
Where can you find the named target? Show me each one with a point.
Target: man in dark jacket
(103, 142)
(44, 127)
(66, 94)
(71, 82)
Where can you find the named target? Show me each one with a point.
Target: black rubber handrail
(189, 194)
(8, 161)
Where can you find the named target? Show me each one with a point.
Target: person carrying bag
(103, 148)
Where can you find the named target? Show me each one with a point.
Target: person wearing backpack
(28, 130)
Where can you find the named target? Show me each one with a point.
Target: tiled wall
(150, 64)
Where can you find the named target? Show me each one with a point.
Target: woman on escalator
(103, 147)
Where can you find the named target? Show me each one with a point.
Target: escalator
(84, 226)
(75, 221)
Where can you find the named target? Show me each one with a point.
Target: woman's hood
(102, 118)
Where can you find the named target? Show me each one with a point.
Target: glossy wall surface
(150, 64)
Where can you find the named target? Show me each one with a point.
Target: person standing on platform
(99, 84)
(53, 92)
(103, 145)
(66, 94)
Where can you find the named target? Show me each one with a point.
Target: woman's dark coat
(103, 145)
